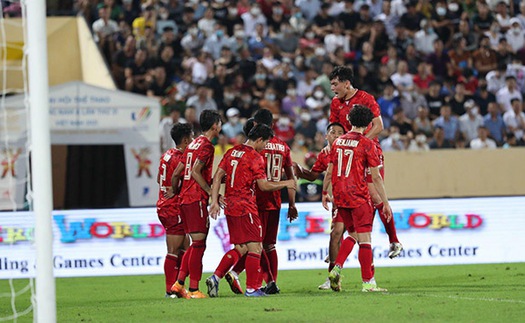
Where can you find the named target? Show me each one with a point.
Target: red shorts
(195, 217)
(381, 169)
(336, 217)
(270, 225)
(244, 229)
(359, 219)
(171, 223)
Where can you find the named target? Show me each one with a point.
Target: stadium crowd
(446, 74)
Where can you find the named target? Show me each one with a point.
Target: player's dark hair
(208, 118)
(260, 131)
(250, 123)
(263, 116)
(334, 124)
(179, 131)
(360, 116)
(342, 73)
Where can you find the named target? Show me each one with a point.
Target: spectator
(207, 23)
(419, 143)
(216, 42)
(423, 78)
(322, 22)
(394, 141)
(494, 123)
(270, 101)
(471, 37)
(439, 141)
(440, 61)
(148, 18)
(485, 59)
(379, 38)
(247, 106)
(515, 35)
(411, 20)
(136, 72)
(286, 40)
(483, 97)
(276, 18)
(422, 123)
(165, 21)
(402, 80)
(482, 141)
(460, 57)
(317, 102)
(388, 103)
(103, 30)
(121, 60)
(253, 18)
(442, 22)
(166, 123)
(193, 41)
(336, 38)
(470, 121)
(192, 117)
(504, 52)
(292, 103)
(448, 123)
(159, 84)
(306, 126)
(309, 8)
(496, 78)
(401, 122)
(217, 84)
(514, 119)
(363, 28)
(233, 126)
(510, 141)
(259, 42)
(306, 87)
(434, 99)
(510, 91)
(494, 35)
(201, 100)
(502, 16)
(283, 129)
(201, 67)
(457, 101)
(424, 38)
(229, 99)
(186, 20)
(483, 19)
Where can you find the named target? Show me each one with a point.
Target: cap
(232, 112)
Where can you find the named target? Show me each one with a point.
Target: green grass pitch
(467, 293)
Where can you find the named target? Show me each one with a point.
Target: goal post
(45, 307)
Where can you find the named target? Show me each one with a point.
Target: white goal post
(45, 307)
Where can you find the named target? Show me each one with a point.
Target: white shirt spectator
(424, 42)
(332, 41)
(503, 97)
(165, 132)
(515, 36)
(511, 120)
(200, 106)
(207, 26)
(518, 71)
(392, 143)
(214, 44)
(199, 73)
(495, 81)
(250, 21)
(309, 8)
(104, 28)
(469, 125)
(477, 143)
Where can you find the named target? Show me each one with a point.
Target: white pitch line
(516, 301)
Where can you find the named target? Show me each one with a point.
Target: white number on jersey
(234, 164)
(274, 167)
(163, 178)
(188, 167)
(340, 156)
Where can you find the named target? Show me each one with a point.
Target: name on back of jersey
(347, 142)
(237, 153)
(194, 145)
(274, 146)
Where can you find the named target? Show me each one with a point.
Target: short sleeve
(258, 167)
(373, 106)
(224, 161)
(205, 153)
(372, 155)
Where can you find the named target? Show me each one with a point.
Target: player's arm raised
(377, 127)
(215, 187)
(266, 186)
(196, 173)
(380, 187)
(292, 210)
(327, 182)
(175, 178)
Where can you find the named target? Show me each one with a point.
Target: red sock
(171, 269)
(195, 263)
(346, 248)
(273, 261)
(184, 265)
(240, 265)
(390, 227)
(266, 273)
(253, 270)
(227, 261)
(331, 266)
(366, 259)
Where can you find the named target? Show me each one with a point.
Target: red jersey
(276, 156)
(350, 155)
(201, 149)
(321, 164)
(243, 166)
(168, 162)
(339, 110)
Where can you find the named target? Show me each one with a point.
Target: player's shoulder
(365, 95)
(277, 143)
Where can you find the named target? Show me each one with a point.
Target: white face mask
(305, 116)
(284, 122)
(474, 111)
(395, 136)
(291, 92)
(421, 138)
(453, 7)
(441, 11)
(234, 120)
(233, 11)
(255, 11)
(164, 15)
(318, 94)
(309, 35)
(516, 30)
